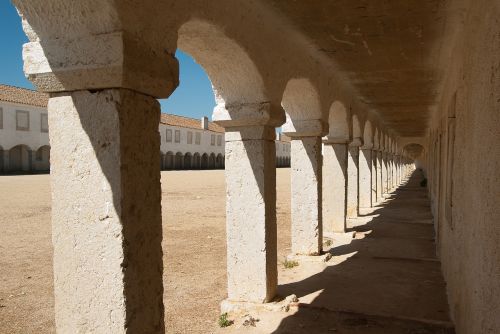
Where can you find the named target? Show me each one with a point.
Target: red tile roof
(23, 96)
(186, 122)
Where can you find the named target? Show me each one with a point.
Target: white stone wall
(27, 159)
(183, 147)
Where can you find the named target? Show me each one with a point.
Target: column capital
(297, 129)
(93, 62)
(238, 115)
(356, 142)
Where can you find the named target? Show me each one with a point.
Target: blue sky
(193, 97)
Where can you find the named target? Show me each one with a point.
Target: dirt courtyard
(194, 246)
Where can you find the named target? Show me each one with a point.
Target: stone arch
(301, 100)
(169, 160)
(204, 161)
(196, 161)
(236, 80)
(179, 161)
(41, 160)
(20, 159)
(338, 122)
(188, 160)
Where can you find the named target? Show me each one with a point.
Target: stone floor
(386, 279)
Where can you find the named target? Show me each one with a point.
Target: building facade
(24, 133)
(186, 143)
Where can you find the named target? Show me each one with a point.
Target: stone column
(380, 183)
(374, 177)
(365, 177)
(251, 213)
(335, 186)
(384, 173)
(105, 176)
(352, 179)
(306, 185)
(106, 212)
(306, 182)
(250, 154)
(390, 171)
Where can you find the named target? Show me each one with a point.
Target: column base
(237, 308)
(324, 257)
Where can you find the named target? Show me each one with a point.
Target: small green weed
(328, 243)
(290, 264)
(224, 321)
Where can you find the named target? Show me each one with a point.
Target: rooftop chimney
(204, 123)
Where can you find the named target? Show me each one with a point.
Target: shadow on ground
(388, 279)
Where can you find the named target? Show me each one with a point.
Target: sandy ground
(194, 245)
(383, 278)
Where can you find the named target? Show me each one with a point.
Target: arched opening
(413, 151)
(204, 161)
(211, 161)
(162, 160)
(20, 159)
(196, 161)
(42, 159)
(219, 161)
(338, 123)
(1, 160)
(169, 160)
(179, 161)
(188, 161)
(300, 101)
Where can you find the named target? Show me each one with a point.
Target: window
(212, 140)
(169, 136)
(190, 137)
(39, 155)
(177, 136)
(22, 120)
(1, 118)
(197, 139)
(219, 140)
(44, 123)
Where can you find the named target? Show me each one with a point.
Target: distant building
(24, 137)
(186, 143)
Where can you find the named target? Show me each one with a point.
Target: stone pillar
(251, 213)
(105, 176)
(352, 179)
(374, 177)
(335, 186)
(384, 173)
(306, 182)
(106, 212)
(380, 183)
(250, 163)
(365, 177)
(390, 171)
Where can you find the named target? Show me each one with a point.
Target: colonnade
(23, 159)
(105, 181)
